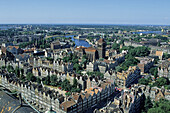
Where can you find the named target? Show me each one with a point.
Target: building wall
(32, 95)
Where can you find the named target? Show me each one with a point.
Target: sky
(150, 12)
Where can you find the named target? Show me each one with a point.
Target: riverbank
(78, 42)
(58, 36)
(87, 40)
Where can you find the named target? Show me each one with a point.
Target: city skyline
(85, 12)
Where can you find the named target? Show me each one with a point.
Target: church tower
(101, 45)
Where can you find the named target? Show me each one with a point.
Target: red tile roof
(13, 47)
(159, 53)
(67, 104)
(101, 40)
(90, 49)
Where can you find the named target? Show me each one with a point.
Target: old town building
(164, 68)
(145, 64)
(126, 78)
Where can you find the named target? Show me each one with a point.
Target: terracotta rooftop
(80, 47)
(91, 91)
(96, 91)
(159, 53)
(10, 47)
(103, 85)
(76, 96)
(101, 40)
(67, 104)
(87, 95)
(168, 59)
(22, 55)
(107, 61)
(31, 49)
(90, 49)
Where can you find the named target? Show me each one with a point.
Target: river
(5, 27)
(79, 42)
(148, 32)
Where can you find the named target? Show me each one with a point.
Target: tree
(10, 69)
(130, 61)
(46, 80)
(66, 85)
(148, 104)
(166, 56)
(143, 81)
(17, 71)
(75, 83)
(115, 46)
(38, 80)
(30, 77)
(118, 69)
(84, 60)
(67, 93)
(99, 74)
(162, 106)
(161, 82)
(77, 67)
(154, 71)
(53, 80)
(95, 73)
(155, 110)
(3, 67)
(75, 90)
(138, 51)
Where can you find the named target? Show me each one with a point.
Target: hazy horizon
(114, 12)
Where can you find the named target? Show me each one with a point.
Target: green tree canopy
(46, 80)
(154, 71)
(166, 56)
(66, 85)
(115, 46)
(30, 77)
(161, 82)
(53, 80)
(148, 104)
(10, 69)
(17, 71)
(143, 81)
(162, 106)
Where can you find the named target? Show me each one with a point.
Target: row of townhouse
(57, 65)
(164, 68)
(24, 65)
(44, 71)
(90, 98)
(44, 98)
(154, 93)
(41, 97)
